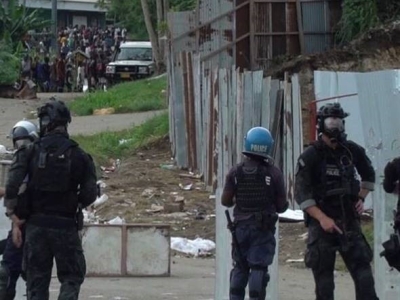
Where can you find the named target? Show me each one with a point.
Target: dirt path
(11, 111)
(193, 279)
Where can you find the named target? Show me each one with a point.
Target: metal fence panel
(380, 92)
(219, 108)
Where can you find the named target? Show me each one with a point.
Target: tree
(146, 19)
(16, 21)
(154, 39)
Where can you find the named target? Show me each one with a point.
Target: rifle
(232, 229)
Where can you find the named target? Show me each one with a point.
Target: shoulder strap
(65, 146)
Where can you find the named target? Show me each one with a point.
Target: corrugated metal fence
(209, 117)
(210, 114)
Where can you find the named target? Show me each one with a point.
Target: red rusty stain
(290, 188)
(205, 32)
(228, 35)
(289, 119)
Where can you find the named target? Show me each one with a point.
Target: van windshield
(145, 54)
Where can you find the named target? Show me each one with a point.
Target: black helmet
(53, 114)
(332, 110)
(330, 121)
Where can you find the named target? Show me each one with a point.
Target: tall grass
(121, 144)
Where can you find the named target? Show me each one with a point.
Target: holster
(22, 210)
(79, 218)
(266, 221)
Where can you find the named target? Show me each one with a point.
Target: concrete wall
(127, 250)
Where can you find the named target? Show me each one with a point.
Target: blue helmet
(258, 141)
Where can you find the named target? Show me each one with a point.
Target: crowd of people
(80, 60)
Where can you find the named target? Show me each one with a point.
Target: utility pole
(54, 25)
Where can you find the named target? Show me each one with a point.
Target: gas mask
(334, 129)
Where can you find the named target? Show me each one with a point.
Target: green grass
(134, 96)
(106, 145)
(368, 230)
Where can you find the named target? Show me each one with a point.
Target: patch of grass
(121, 144)
(368, 230)
(140, 95)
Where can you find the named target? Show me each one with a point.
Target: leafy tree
(16, 21)
(358, 16)
(130, 14)
(10, 65)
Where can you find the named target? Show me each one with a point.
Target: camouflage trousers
(11, 268)
(42, 245)
(356, 253)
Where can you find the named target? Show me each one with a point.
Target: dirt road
(11, 111)
(192, 279)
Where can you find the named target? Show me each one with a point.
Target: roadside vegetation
(135, 96)
(122, 144)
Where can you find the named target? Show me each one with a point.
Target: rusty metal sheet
(215, 130)
(288, 142)
(181, 157)
(247, 101)
(205, 101)
(239, 116)
(256, 90)
(266, 113)
(316, 19)
(178, 24)
(198, 110)
(232, 113)
(297, 125)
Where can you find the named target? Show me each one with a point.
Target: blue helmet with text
(259, 142)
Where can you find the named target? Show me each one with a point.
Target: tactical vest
(254, 191)
(51, 165)
(337, 175)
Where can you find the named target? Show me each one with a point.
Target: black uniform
(326, 177)
(61, 176)
(392, 177)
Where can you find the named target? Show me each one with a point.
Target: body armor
(254, 191)
(51, 169)
(337, 176)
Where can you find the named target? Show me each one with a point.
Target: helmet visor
(334, 124)
(21, 142)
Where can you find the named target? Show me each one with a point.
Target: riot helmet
(23, 133)
(330, 121)
(258, 142)
(52, 115)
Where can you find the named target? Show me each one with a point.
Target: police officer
(391, 185)
(61, 176)
(22, 134)
(256, 188)
(327, 190)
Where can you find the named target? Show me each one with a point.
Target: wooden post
(300, 25)
(252, 37)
